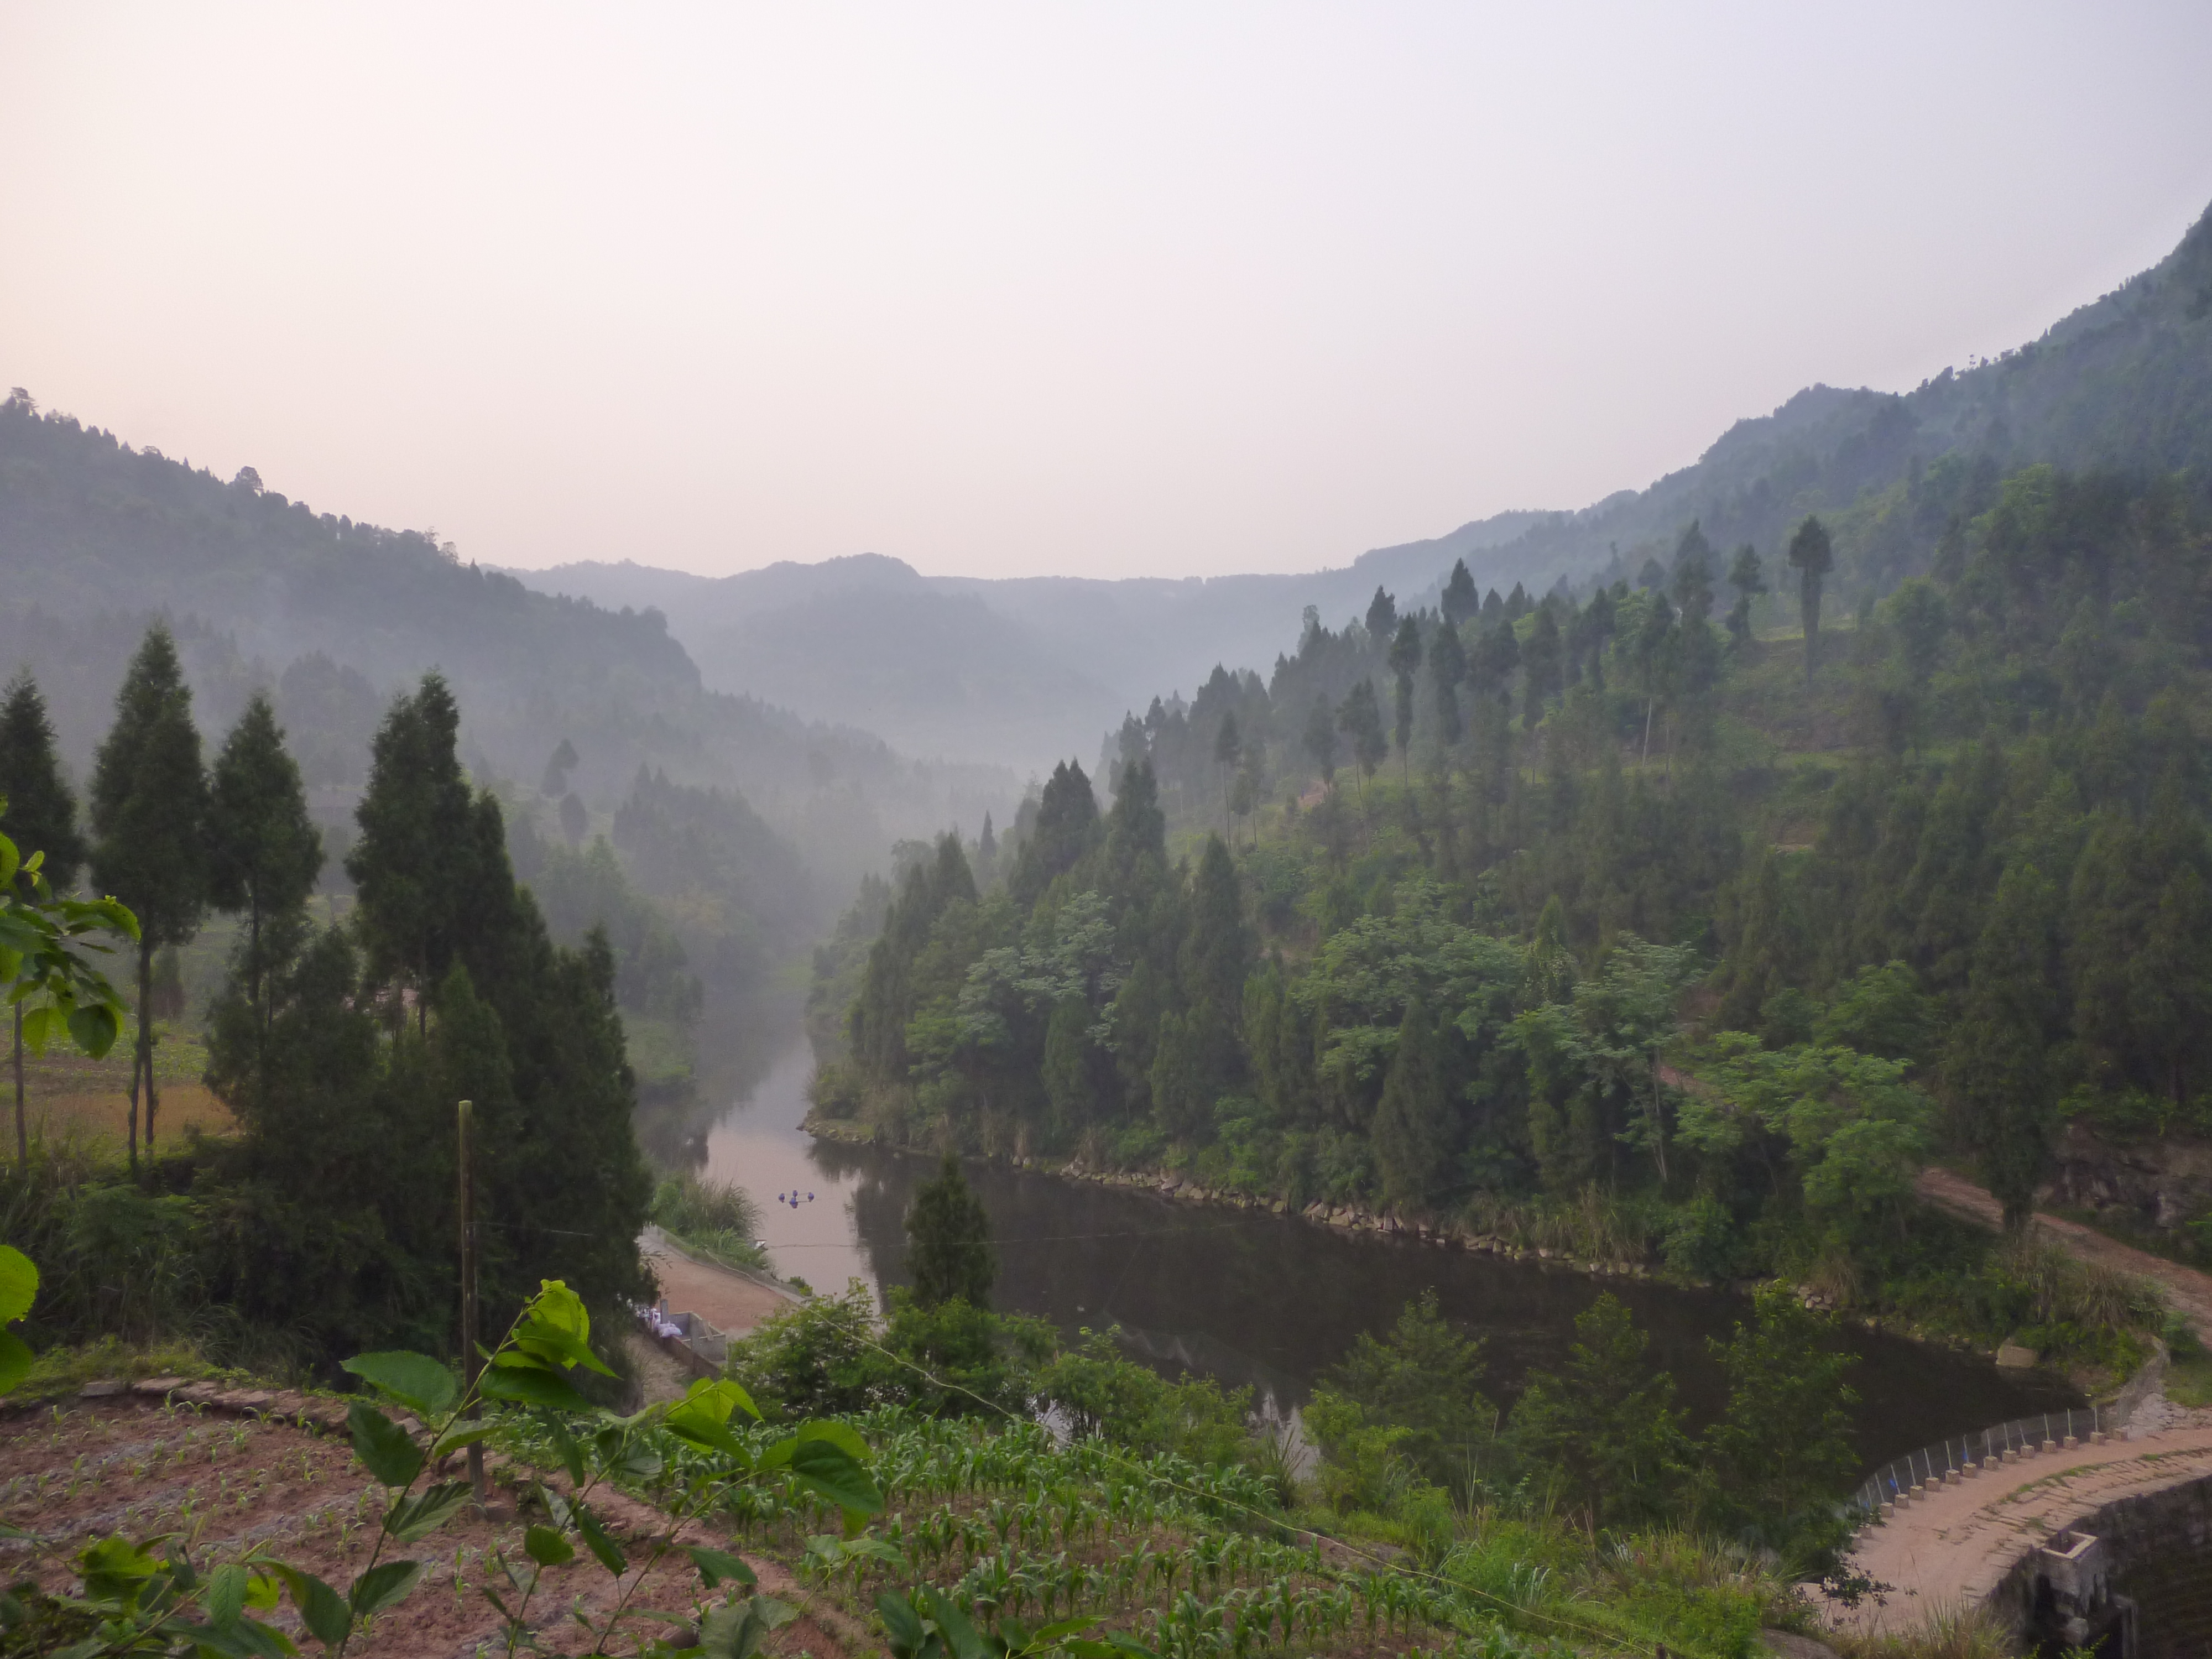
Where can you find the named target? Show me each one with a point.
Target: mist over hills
(1016, 671)
(333, 616)
(2123, 382)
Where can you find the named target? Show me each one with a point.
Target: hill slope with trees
(1610, 919)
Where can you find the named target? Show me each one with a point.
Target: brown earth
(133, 1465)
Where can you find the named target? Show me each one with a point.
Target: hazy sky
(1116, 288)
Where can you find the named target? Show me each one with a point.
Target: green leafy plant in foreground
(148, 1596)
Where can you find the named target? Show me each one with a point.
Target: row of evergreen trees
(342, 1048)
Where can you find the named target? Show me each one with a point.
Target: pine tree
(1382, 616)
(1414, 1131)
(1360, 718)
(149, 826)
(1999, 1067)
(1423, 1377)
(949, 1253)
(1745, 576)
(1228, 748)
(1447, 668)
(1065, 1071)
(1459, 600)
(1813, 556)
(1066, 828)
(264, 853)
(429, 865)
(1321, 742)
(1546, 664)
(1781, 1455)
(1405, 662)
(1606, 1424)
(38, 814)
(1210, 971)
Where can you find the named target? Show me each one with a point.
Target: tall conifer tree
(149, 803)
(1405, 661)
(1999, 1067)
(264, 852)
(1813, 555)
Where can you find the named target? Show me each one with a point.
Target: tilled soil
(227, 1483)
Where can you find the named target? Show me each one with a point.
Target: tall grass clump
(717, 1219)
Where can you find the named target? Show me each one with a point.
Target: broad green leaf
(596, 1540)
(901, 1623)
(843, 1436)
(717, 1400)
(960, 1636)
(571, 1454)
(322, 1609)
(18, 1283)
(531, 1388)
(551, 1343)
(94, 1028)
(548, 1548)
(715, 1565)
(733, 1631)
(415, 1380)
(383, 1447)
(261, 1592)
(558, 1306)
(115, 1567)
(1065, 1628)
(826, 1468)
(226, 1596)
(460, 1438)
(424, 1513)
(382, 1585)
(15, 1358)
(701, 1430)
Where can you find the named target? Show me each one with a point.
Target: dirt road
(2189, 1290)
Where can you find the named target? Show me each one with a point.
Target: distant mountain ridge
(333, 616)
(2123, 382)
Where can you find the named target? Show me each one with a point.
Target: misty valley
(1592, 1084)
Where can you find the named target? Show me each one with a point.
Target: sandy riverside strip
(2187, 1289)
(1954, 1546)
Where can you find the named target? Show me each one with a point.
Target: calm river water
(1263, 1299)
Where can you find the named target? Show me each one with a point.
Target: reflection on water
(1269, 1300)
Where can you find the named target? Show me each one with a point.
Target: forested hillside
(334, 617)
(1615, 910)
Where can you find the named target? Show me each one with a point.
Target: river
(1267, 1300)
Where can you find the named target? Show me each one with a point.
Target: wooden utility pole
(471, 1362)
